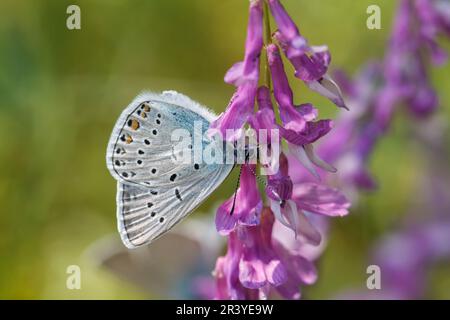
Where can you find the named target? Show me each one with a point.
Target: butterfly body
(155, 190)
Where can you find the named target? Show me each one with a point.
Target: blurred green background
(61, 92)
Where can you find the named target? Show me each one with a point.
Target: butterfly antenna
(235, 192)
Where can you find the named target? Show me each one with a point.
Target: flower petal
(309, 149)
(251, 272)
(300, 153)
(275, 272)
(320, 199)
(307, 231)
(276, 209)
(237, 112)
(329, 89)
(225, 222)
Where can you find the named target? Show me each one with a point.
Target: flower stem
(267, 41)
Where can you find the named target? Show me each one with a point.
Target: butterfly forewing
(155, 189)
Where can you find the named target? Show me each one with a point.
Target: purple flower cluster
(400, 79)
(260, 261)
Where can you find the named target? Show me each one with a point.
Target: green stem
(267, 41)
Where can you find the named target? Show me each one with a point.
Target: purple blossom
(298, 128)
(245, 209)
(244, 75)
(250, 267)
(293, 203)
(311, 63)
(257, 264)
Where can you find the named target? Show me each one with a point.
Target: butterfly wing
(155, 190)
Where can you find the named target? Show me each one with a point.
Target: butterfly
(154, 192)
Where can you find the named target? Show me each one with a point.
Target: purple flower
(248, 70)
(250, 268)
(244, 75)
(405, 69)
(298, 128)
(238, 111)
(279, 192)
(245, 209)
(311, 63)
(259, 267)
(292, 203)
(264, 118)
(300, 271)
(226, 273)
(291, 118)
(256, 264)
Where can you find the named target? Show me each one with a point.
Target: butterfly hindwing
(155, 191)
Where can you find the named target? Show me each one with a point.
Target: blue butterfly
(154, 192)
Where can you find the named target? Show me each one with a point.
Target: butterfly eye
(196, 166)
(155, 132)
(161, 220)
(147, 142)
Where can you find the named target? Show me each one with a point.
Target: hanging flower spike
(244, 208)
(298, 132)
(405, 63)
(311, 63)
(244, 75)
(257, 263)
